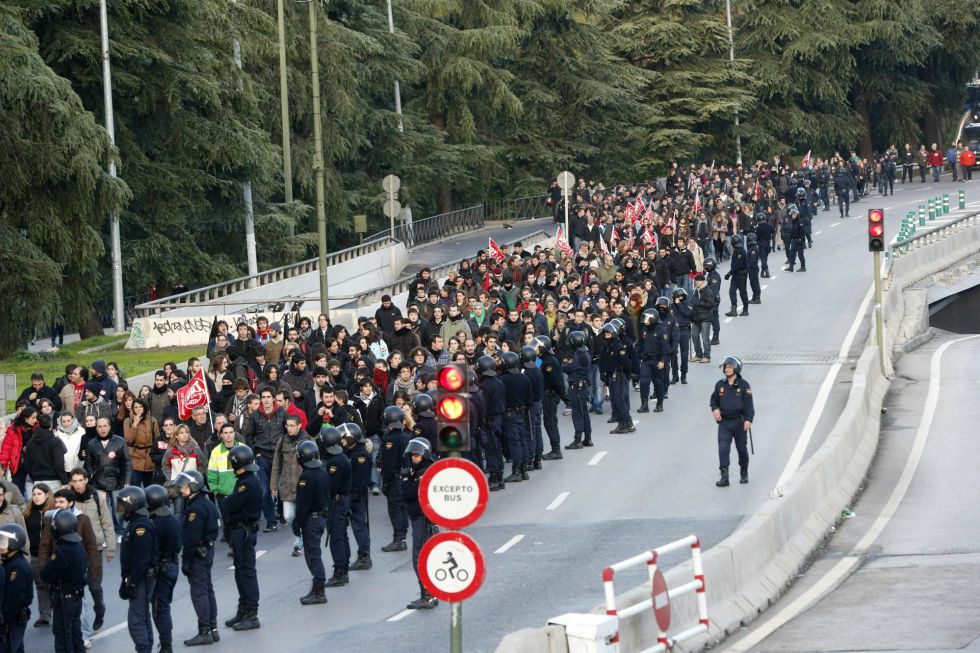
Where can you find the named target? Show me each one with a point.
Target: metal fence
(518, 208)
(427, 230)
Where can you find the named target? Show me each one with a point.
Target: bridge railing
(225, 288)
(518, 208)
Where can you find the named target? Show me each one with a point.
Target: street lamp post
(119, 314)
(250, 252)
(321, 216)
(731, 57)
(398, 94)
(287, 157)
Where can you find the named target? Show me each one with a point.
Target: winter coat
(141, 440)
(99, 408)
(107, 462)
(177, 459)
(263, 431)
(221, 477)
(285, 469)
(403, 340)
(44, 457)
(12, 448)
(96, 508)
(72, 438)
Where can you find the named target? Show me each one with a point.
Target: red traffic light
(876, 215)
(451, 408)
(876, 230)
(451, 378)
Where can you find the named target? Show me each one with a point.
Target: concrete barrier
(751, 568)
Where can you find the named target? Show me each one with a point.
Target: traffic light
(876, 230)
(452, 409)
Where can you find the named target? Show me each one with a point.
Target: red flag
(649, 238)
(805, 163)
(192, 395)
(697, 200)
(630, 212)
(561, 243)
(632, 241)
(496, 253)
(602, 245)
(649, 215)
(615, 234)
(758, 190)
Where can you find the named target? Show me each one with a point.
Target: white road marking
(258, 554)
(856, 555)
(836, 224)
(110, 631)
(599, 456)
(558, 501)
(727, 320)
(771, 278)
(511, 542)
(796, 457)
(818, 233)
(401, 615)
(764, 286)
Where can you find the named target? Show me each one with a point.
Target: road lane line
(796, 457)
(110, 631)
(856, 555)
(599, 456)
(836, 224)
(727, 320)
(764, 286)
(771, 278)
(558, 501)
(258, 554)
(818, 233)
(511, 542)
(401, 615)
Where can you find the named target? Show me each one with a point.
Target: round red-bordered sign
(453, 493)
(451, 566)
(661, 601)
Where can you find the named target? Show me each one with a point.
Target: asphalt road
(627, 494)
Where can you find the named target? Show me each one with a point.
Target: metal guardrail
(899, 248)
(519, 208)
(225, 288)
(427, 230)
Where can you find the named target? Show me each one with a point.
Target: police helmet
(511, 362)
(662, 304)
(486, 366)
(543, 343)
(191, 479)
(131, 500)
(308, 454)
(423, 405)
(529, 357)
(650, 317)
(474, 384)
(352, 432)
(610, 328)
(806, 182)
(680, 292)
(241, 457)
(710, 264)
(734, 362)
(330, 439)
(619, 323)
(157, 499)
(792, 210)
(13, 536)
(759, 216)
(418, 446)
(393, 417)
(578, 339)
(64, 523)
(800, 192)
(737, 240)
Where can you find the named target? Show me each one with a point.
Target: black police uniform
(65, 572)
(392, 452)
(713, 279)
(797, 240)
(843, 184)
(422, 528)
(654, 361)
(198, 534)
(683, 312)
(241, 511)
(752, 255)
(536, 440)
(518, 394)
(554, 392)
(579, 371)
(734, 400)
(167, 572)
(312, 507)
(425, 427)
(138, 558)
(478, 418)
(496, 398)
(339, 469)
(806, 219)
(360, 462)
(616, 367)
(738, 274)
(18, 594)
(765, 233)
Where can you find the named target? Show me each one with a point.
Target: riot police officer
(138, 559)
(240, 514)
(734, 411)
(654, 359)
(797, 238)
(18, 588)
(198, 533)
(312, 507)
(764, 233)
(389, 465)
(738, 274)
(478, 418)
(713, 280)
(753, 255)
(554, 392)
(518, 395)
(339, 470)
(616, 367)
(823, 184)
(578, 368)
(683, 312)
(529, 357)
(669, 324)
(495, 395)
(806, 219)
(65, 572)
(352, 440)
(425, 423)
(418, 458)
(168, 544)
(843, 184)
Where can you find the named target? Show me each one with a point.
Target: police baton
(751, 442)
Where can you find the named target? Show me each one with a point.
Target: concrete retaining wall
(750, 569)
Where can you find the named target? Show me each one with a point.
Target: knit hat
(275, 326)
(94, 388)
(99, 366)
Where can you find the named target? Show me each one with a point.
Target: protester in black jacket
(45, 455)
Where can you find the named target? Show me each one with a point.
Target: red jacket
(935, 158)
(294, 410)
(11, 449)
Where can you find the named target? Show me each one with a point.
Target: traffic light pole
(879, 330)
(455, 609)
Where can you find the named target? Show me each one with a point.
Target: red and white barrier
(664, 643)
